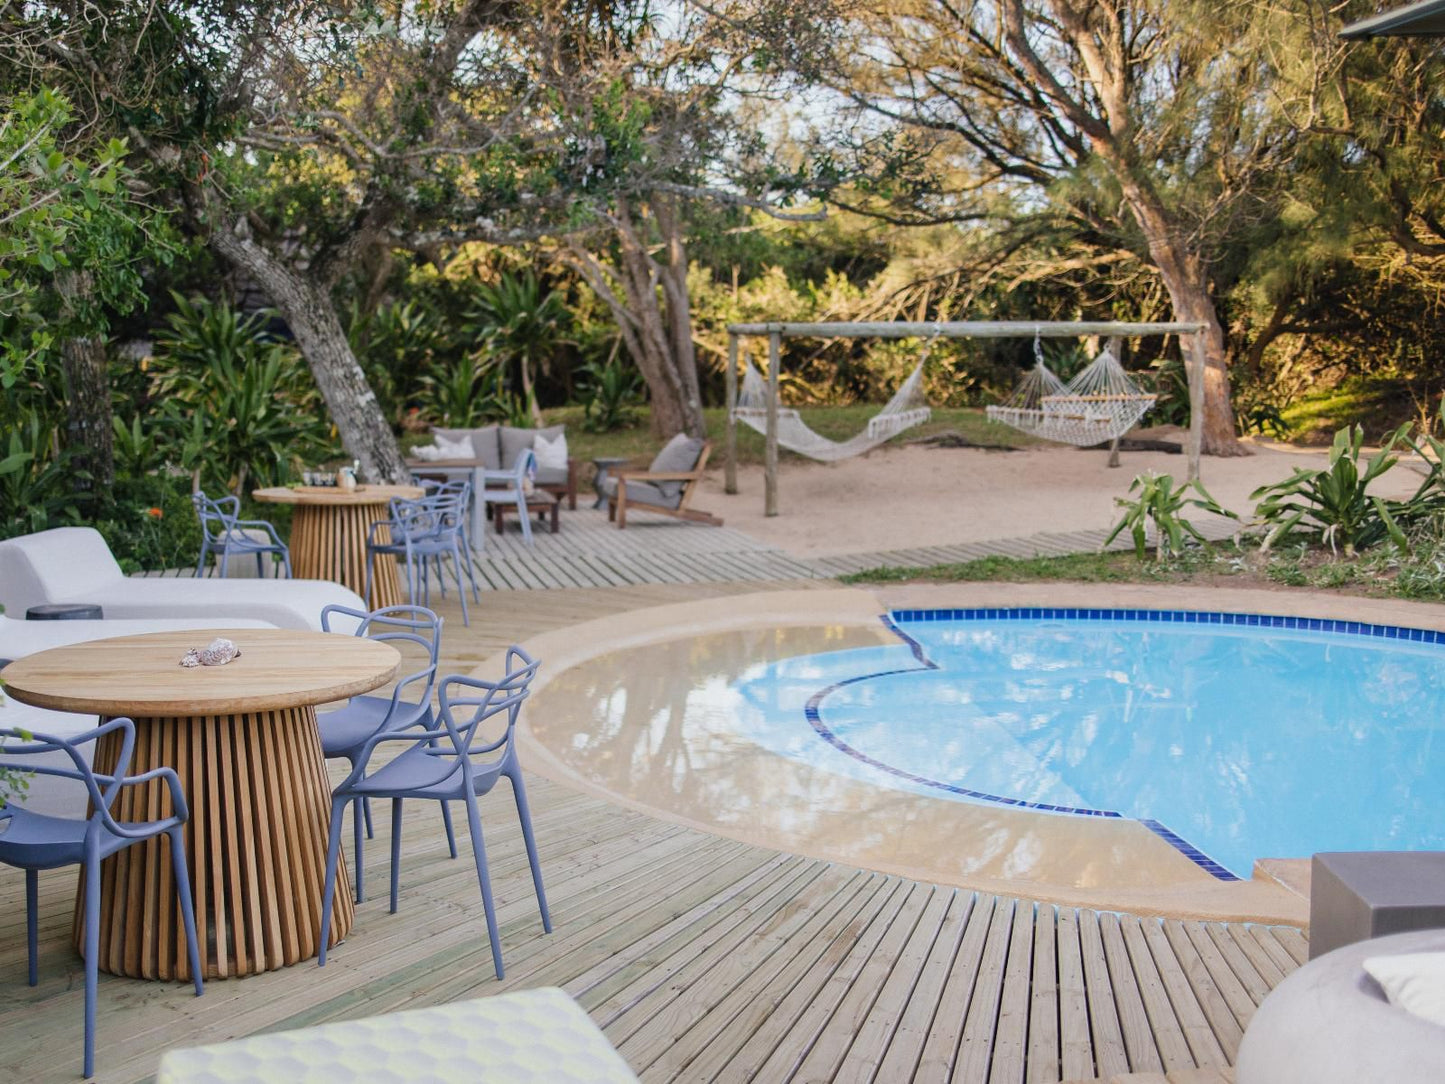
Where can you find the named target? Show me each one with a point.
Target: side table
(65, 611)
(604, 465)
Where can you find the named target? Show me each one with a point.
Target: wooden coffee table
(539, 501)
(329, 531)
(243, 740)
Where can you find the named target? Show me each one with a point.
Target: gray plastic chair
(443, 765)
(34, 841)
(510, 487)
(454, 500)
(419, 530)
(344, 732)
(223, 533)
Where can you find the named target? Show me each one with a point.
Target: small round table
(329, 532)
(604, 465)
(243, 740)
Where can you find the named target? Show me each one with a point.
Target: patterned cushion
(679, 454)
(517, 441)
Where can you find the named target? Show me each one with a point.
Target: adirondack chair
(666, 487)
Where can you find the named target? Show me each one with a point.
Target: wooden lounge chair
(662, 488)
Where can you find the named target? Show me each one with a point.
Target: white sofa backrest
(53, 566)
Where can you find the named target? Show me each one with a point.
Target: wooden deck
(702, 958)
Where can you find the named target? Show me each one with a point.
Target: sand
(917, 495)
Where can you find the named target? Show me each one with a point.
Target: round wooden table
(243, 740)
(329, 531)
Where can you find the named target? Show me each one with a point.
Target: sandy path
(905, 496)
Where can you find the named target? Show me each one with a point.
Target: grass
(1383, 572)
(1379, 403)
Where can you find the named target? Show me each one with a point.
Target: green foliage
(1330, 505)
(60, 212)
(395, 344)
(610, 392)
(461, 394)
(37, 484)
(244, 406)
(151, 523)
(1159, 505)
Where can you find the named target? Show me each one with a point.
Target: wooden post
(1114, 452)
(730, 444)
(1115, 346)
(1196, 403)
(770, 451)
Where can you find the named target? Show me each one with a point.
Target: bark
(1186, 279)
(88, 430)
(306, 306)
(653, 315)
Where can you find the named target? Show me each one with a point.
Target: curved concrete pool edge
(1191, 896)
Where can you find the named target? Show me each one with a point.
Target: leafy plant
(1331, 505)
(1159, 505)
(461, 394)
(520, 321)
(610, 393)
(37, 485)
(246, 402)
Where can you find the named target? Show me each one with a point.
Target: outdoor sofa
(74, 565)
(496, 447)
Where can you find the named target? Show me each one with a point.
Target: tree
(1144, 129)
(70, 237)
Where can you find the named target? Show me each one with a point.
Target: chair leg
(328, 888)
(357, 816)
(479, 853)
(447, 824)
(188, 911)
(32, 935)
(525, 516)
(441, 575)
(370, 568)
(225, 557)
(524, 814)
(201, 562)
(471, 570)
(395, 850)
(92, 952)
(286, 564)
(457, 572)
(366, 811)
(260, 568)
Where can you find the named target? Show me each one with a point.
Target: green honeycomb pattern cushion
(532, 1036)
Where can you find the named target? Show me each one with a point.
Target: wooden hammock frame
(943, 329)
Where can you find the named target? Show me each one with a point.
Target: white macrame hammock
(1100, 404)
(794, 434)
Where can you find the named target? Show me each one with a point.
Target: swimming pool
(1231, 736)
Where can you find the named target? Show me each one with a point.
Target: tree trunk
(1184, 276)
(365, 433)
(655, 321)
(88, 430)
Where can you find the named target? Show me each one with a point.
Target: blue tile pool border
(1177, 617)
(897, 619)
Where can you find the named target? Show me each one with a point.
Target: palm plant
(246, 401)
(518, 321)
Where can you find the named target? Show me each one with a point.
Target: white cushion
(63, 564)
(1413, 981)
(462, 448)
(73, 564)
(551, 454)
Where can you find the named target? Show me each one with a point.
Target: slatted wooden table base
(328, 542)
(256, 845)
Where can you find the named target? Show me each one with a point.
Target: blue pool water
(1240, 742)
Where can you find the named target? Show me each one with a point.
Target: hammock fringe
(1100, 404)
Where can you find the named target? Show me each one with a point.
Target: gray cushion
(643, 493)
(1329, 1023)
(551, 476)
(679, 454)
(484, 443)
(517, 441)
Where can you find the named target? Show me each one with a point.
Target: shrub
(1159, 505)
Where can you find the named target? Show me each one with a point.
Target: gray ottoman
(1329, 1023)
(1356, 895)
